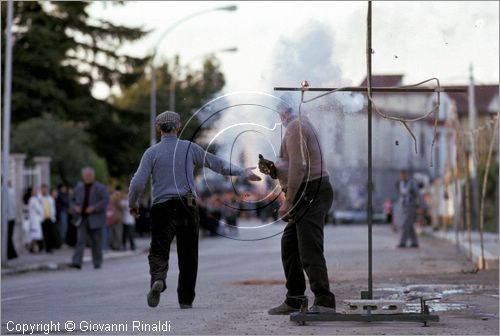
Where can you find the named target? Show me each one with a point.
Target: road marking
(15, 297)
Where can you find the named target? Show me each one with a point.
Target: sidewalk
(27, 262)
(473, 249)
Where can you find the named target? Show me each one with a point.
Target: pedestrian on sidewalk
(89, 202)
(388, 209)
(49, 228)
(11, 220)
(117, 219)
(128, 224)
(170, 163)
(409, 195)
(308, 198)
(62, 209)
(106, 229)
(35, 215)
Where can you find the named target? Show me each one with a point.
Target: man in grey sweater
(170, 163)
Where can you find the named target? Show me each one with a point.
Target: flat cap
(168, 116)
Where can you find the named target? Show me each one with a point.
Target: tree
(65, 142)
(193, 89)
(59, 53)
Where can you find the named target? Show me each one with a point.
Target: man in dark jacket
(89, 202)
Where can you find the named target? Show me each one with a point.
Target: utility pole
(6, 125)
(152, 110)
(473, 153)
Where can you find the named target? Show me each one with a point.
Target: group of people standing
(75, 217)
(120, 223)
(45, 218)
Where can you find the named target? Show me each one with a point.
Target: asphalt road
(239, 280)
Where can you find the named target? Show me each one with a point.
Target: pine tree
(59, 54)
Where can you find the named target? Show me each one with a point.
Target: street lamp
(6, 126)
(173, 80)
(230, 8)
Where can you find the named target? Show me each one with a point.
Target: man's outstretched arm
(219, 165)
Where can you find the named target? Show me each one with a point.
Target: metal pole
(6, 125)
(370, 185)
(373, 89)
(152, 110)
(473, 154)
(171, 93)
(229, 8)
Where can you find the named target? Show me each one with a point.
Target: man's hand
(90, 209)
(77, 209)
(134, 211)
(284, 211)
(267, 167)
(250, 175)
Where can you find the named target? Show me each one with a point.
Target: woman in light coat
(35, 211)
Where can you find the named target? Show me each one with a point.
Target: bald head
(285, 109)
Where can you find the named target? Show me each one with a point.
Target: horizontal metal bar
(374, 89)
(408, 317)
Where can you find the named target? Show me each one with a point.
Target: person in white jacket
(35, 212)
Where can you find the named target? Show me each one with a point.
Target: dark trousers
(50, 235)
(174, 218)
(128, 234)
(409, 217)
(11, 250)
(95, 235)
(302, 244)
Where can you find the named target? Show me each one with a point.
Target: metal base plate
(405, 317)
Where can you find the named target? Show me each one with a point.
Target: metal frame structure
(424, 316)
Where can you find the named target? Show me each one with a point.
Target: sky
(418, 39)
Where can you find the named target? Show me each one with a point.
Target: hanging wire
(403, 121)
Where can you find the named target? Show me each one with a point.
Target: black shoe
(154, 293)
(185, 306)
(414, 245)
(97, 266)
(282, 309)
(75, 266)
(401, 246)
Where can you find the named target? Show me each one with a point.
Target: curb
(472, 250)
(61, 265)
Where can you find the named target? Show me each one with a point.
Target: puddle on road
(435, 307)
(412, 294)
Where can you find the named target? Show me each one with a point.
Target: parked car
(353, 216)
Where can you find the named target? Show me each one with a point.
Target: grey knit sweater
(171, 163)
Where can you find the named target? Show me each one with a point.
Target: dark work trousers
(302, 244)
(175, 218)
(83, 232)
